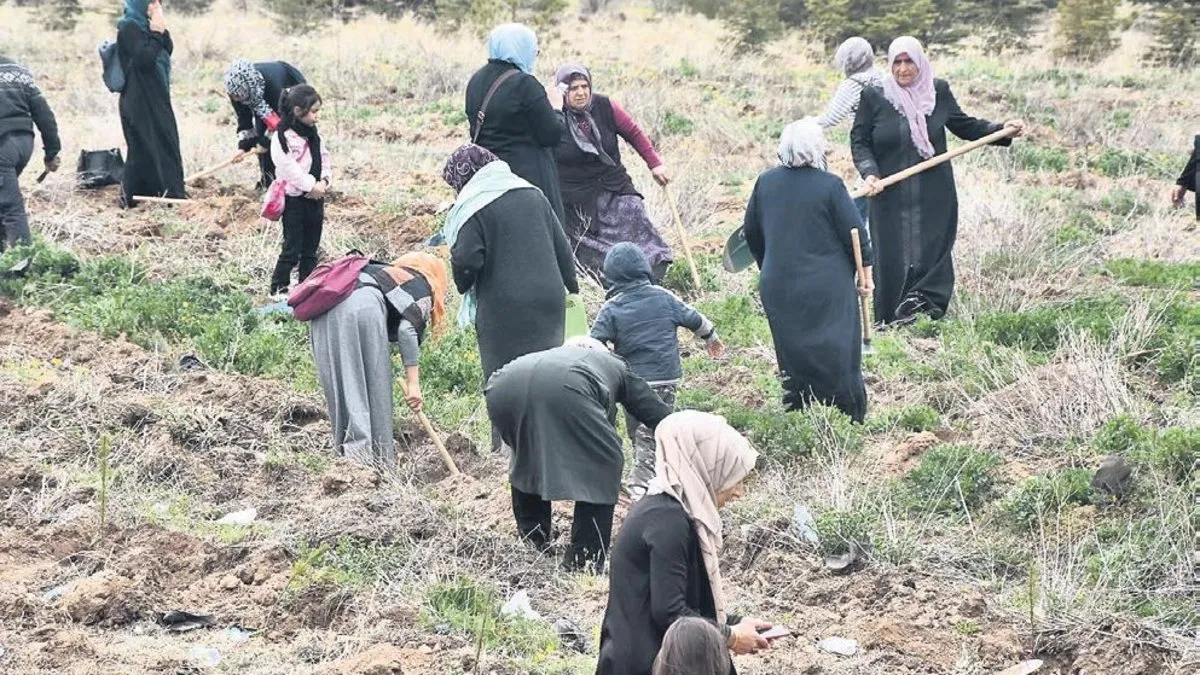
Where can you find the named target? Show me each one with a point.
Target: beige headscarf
(697, 456)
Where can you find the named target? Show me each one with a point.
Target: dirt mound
(106, 599)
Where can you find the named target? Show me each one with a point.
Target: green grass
(1154, 273)
(472, 607)
(1040, 500)
(950, 478)
(739, 320)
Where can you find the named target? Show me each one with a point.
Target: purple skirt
(618, 218)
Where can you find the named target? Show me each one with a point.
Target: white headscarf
(854, 56)
(803, 143)
(698, 455)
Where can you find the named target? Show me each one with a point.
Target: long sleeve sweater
(22, 106)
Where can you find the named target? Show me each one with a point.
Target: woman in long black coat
(154, 165)
(510, 258)
(666, 558)
(797, 227)
(521, 124)
(913, 223)
(254, 90)
(1189, 179)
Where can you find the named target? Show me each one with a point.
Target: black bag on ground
(99, 168)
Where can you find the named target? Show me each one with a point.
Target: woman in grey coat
(557, 410)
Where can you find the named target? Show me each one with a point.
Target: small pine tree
(60, 15)
(1003, 24)
(1087, 28)
(879, 21)
(191, 7)
(753, 23)
(300, 17)
(1176, 27)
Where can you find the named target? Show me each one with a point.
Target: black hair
(301, 96)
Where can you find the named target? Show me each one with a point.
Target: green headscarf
(138, 12)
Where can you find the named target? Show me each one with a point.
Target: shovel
(433, 436)
(862, 302)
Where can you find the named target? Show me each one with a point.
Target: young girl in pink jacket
(303, 164)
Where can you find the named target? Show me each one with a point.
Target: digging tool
(737, 254)
(160, 200)
(433, 435)
(258, 150)
(862, 302)
(43, 176)
(683, 241)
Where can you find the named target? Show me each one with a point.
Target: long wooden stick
(433, 435)
(934, 161)
(258, 150)
(862, 302)
(160, 200)
(687, 249)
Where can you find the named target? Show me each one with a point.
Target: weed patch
(471, 607)
(951, 478)
(1042, 499)
(1154, 273)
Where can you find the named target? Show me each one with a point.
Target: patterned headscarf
(698, 455)
(917, 100)
(242, 80)
(803, 143)
(465, 163)
(513, 43)
(580, 121)
(137, 12)
(854, 56)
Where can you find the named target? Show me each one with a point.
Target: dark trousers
(266, 169)
(15, 151)
(303, 220)
(591, 530)
(644, 445)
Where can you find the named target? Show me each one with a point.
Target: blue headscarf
(515, 44)
(137, 12)
(625, 268)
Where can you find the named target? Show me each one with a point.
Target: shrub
(1041, 327)
(1031, 157)
(1118, 163)
(879, 22)
(753, 23)
(1177, 453)
(60, 15)
(1176, 26)
(920, 417)
(837, 529)
(951, 477)
(739, 321)
(1041, 497)
(674, 124)
(1124, 203)
(778, 434)
(300, 17)
(679, 276)
(1122, 435)
(49, 266)
(1086, 28)
(474, 608)
(450, 364)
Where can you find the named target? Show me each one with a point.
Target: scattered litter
(518, 606)
(840, 646)
(189, 362)
(57, 591)
(238, 635)
(19, 269)
(847, 562)
(205, 657)
(281, 307)
(181, 622)
(805, 524)
(571, 635)
(243, 517)
(442, 629)
(3, 651)
(1023, 668)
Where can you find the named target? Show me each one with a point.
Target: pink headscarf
(916, 101)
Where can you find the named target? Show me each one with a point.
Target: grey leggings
(15, 151)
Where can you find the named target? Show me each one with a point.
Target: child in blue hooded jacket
(641, 321)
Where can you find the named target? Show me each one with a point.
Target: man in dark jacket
(557, 410)
(22, 107)
(1189, 180)
(254, 90)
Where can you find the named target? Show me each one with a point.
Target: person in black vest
(1188, 180)
(254, 89)
(523, 123)
(21, 108)
(603, 207)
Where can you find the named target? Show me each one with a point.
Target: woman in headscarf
(798, 226)
(399, 304)
(523, 122)
(665, 562)
(913, 223)
(603, 207)
(254, 90)
(153, 165)
(856, 58)
(510, 259)
(557, 410)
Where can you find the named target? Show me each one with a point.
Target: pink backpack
(276, 195)
(327, 286)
